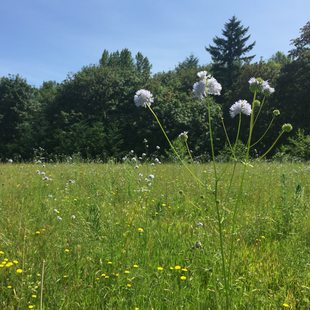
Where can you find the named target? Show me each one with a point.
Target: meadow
(128, 236)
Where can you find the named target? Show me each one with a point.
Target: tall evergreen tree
(228, 52)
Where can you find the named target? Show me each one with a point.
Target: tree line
(92, 114)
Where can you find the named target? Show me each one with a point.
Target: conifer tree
(228, 52)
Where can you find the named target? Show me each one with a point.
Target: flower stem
(251, 129)
(260, 108)
(173, 148)
(273, 144)
(264, 134)
(188, 151)
(219, 217)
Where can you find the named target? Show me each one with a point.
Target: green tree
(228, 52)
(17, 109)
(302, 43)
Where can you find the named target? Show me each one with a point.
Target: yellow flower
(140, 230)
(19, 270)
(129, 285)
(107, 277)
(67, 250)
(9, 264)
(9, 286)
(136, 308)
(184, 269)
(135, 266)
(38, 232)
(1, 252)
(286, 305)
(15, 261)
(103, 275)
(159, 268)
(30, 306)
(183, 278)
(126, 271)
(109, 263)
(177, 267)
(34, 296)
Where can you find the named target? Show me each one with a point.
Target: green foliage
(297, 148)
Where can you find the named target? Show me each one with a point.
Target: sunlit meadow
(142, 236)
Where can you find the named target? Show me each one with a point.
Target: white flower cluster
(241, 106)
(206, 83)
(143, 98)
(259, 85)
(183, 135)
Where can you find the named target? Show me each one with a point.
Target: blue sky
(47, 39)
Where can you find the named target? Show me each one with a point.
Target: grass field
(94, 236)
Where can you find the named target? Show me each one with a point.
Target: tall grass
(112, 237)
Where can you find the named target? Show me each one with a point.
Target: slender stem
(189, 152)
(219, 218)
(251, 128)
(260, 108)
(42, 285)
(273, 144)
(173, 148)
(238, 133)
(226, 135)
(264, 134)
(211, 141)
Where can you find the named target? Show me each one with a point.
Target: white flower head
(199, 89)
(241, 106)
(267, 89)
(183, 135)
(214, 87)
(143, 98)
(203, 75)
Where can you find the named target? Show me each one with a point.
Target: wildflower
(129, 285)
(30, 306)
(199, 89)
(38, 232)
(256, 84)
(159, 268)
(157, 147)
(9, 286)
(140, 230)
(287, 127)
(286, 305)
(10, 161)
(67, 250)
(184, 269)
(214, 87)
(135, 266)
(241, 106)
(127, 271)
(151, 176)
(202, 75)
(34, 296)
(177, 267)
(15, 261)
(183, 136)
(59, 218)
(267, 90)
(19, 270)
(199, 224)
(143, 98)
(1, 252)
(73, 217)
(56, 211)
(9, 264)
(109, 263)
(183, 278)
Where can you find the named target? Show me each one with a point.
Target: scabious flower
(199, 89)
(241, 106)
(267, 89)
(207, 84)
(256, 84)
(143, 98)
(183, 135)
(214, 87)
(203, 75)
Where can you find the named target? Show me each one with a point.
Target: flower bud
(256, 103)
(287, 127)
(276, 112)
